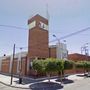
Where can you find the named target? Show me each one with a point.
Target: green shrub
(80, 64)
(38, 65)
(68, 64)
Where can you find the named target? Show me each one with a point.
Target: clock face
(32, 25)
(43, 25)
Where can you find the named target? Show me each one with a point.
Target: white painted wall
(19, 63)
(0, 64)
(61, 51)
(10, 67)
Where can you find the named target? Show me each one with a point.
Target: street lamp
(59, 55)
(61, 49)
(85, 49)
(56, 38)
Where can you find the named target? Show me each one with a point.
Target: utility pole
(20, 67)
(12, 64)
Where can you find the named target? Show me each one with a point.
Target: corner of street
(72, 82)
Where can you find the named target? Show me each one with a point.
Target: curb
(37, 79)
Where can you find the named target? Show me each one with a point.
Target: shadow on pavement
(29, 81)
(65, 81)
(46, 86)
(25, 81)
(83, 75)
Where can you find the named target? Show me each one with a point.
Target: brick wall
(5, 66)
(38, 44)
(52, 52)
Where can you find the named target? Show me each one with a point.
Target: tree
(88, 67)
(68, 64)
(50, 66)
(79, 64)
(60, 67)
(85, 65)
(38, 65)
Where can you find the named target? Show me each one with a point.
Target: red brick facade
(38, 39)
(5, 66)
(52, 52)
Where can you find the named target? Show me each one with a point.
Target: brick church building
(38, 47)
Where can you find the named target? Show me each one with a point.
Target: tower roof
(37, 17)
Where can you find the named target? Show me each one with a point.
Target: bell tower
(38, 37)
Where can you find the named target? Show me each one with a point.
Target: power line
(69, 35)
(16, 27)
(66, 36)
(72, 34)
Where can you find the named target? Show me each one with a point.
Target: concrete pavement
(34, 84)
(83, 84)
(4, 87)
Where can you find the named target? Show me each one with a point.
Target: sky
(66, 16)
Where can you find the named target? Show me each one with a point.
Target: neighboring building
(58, 51)
(78, 57)
(20, 59)
(52, 51)
(62, 52)
(38, 47)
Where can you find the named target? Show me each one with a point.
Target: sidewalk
(27, 82)
(7, 80)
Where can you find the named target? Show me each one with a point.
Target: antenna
(47, 13)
